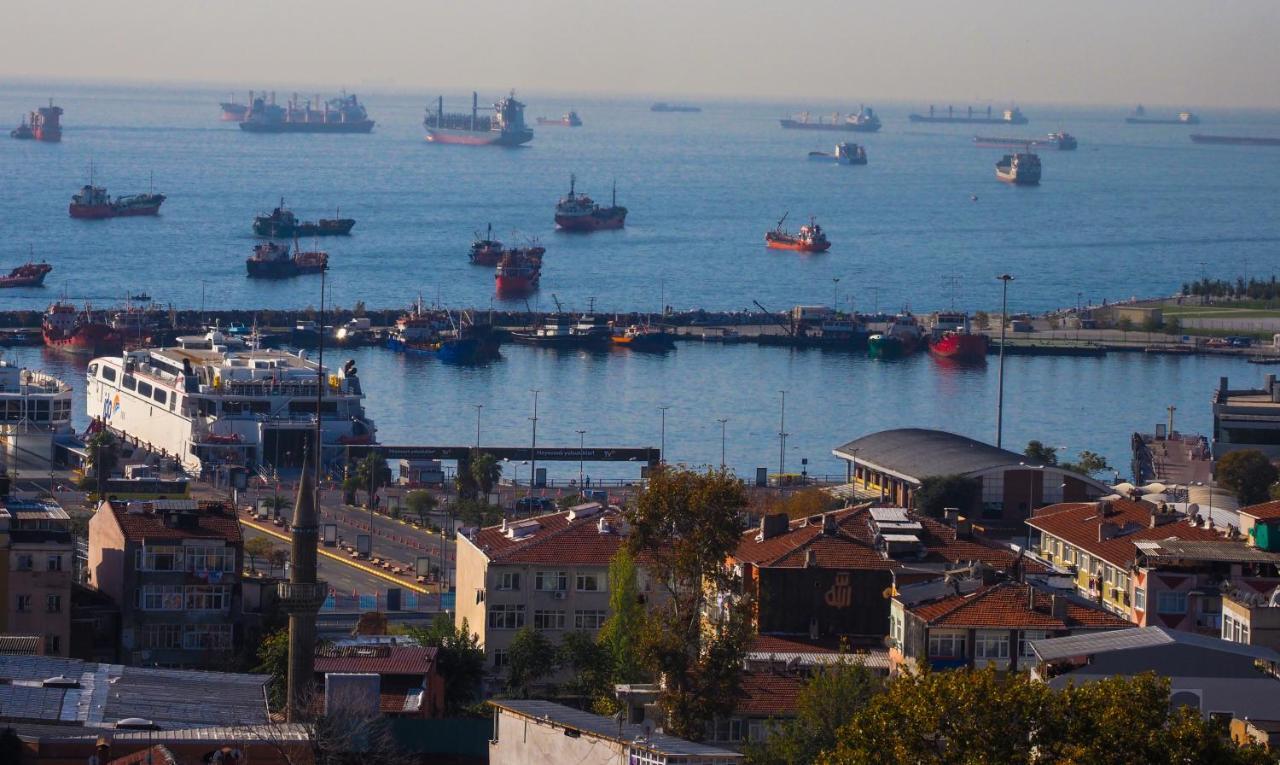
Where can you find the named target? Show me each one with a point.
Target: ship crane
(791, 331)
(559, 309)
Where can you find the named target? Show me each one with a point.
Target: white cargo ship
(255, 408)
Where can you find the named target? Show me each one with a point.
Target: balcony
(301, 598)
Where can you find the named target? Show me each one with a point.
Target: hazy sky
(1176, 52)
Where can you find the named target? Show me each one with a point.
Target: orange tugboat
(642, 337)
(810, 238)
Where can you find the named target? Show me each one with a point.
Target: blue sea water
(1137, 210)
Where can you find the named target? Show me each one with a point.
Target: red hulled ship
(93, 203)
(505, 127)
(518, 273)
(44, 124)
(71, 330)
(810, 238)
(578, 212)
(486, 251)
(27, 275)
(952, 339)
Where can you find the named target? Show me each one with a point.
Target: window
(1024, 642)
(589, 620)
(206, 637)
(1085, 560)
(201, 560)
(160, 395)
(991, 645)
(946, 645)
(162, 636)
(1171, 603)
(54, 563)
(588, 583)
(53, 604)
(24, 562)
(1071, 556)
(1234, 629)
(130, 382)
(109, 374)
(160, 558)
(500, 658)
(551, 581)
(24, 604)
(896, 628)
(508, 617)
(509, 580)
(52, 644)
(1139, 599)
(548, 620)
(207, 598)
(160, 597)
(725, 729)
(144, 389)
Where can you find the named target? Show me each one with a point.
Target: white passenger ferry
(206, 406)
(34, 407)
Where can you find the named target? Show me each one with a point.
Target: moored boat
(1060, 140)
(951, 338)
(1021, 169)
(271, 260)
(282, 223)
(517, 274)
(28, 274)
(93, 203)
(570, 119)
(578, 212)
(1235, 140)
(810, 238)
(903, 337)
(642, 337)
(43, 124)
(562, 331)
(486, 251)
(845, 154)
(865, 121)
(422, 332)
(1012, 116)
(79, 331)
(505, 127)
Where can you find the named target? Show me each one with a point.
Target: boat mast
(614, 201)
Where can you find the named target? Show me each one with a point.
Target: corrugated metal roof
(1226, 550)
(921, 453)
(1086, 644)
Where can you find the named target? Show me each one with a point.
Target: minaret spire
(302, 597)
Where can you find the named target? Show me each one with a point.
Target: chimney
(1222, 387)
(772, 526)
(1104, 508)
(103, 749)
(1058, 605)
(1106, 531)
(813, 628)
(504, 526)
(828, 524)
(964, 528)
(810, 558)
(1031, 598)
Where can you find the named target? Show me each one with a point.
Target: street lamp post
(782, 437)
(1004, 322)
(723, 421)
(582, 435)
(662, 434)
(533, 443)
(478, 408)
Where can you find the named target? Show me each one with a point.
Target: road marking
(345, 561)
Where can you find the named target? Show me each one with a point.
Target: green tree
(460, 660)
(370, 474)
(684, 525)
(485, 473)
(102, 453)
(1089, 464)
(257, 547)
(1039, 454)
(591, 671)
(273, 660)
(530, 658)
(420, 502)
(830, 698)
(937, 493)
(620, 633)
(1248, 473)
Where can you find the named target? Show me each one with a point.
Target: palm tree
(485, 471)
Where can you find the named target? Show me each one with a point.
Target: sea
(1137, 210)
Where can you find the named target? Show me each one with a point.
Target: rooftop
(97, 696)
(1128, 521)
(377, 659)
(549, 713)
(769, 694)
(1007, 605)
(1089, 643)
(174, 520)
(1266, 511)
(920, 453)
(570, 538)
(1219, 550)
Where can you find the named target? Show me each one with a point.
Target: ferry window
(109, 374)
(130, 382)
(42, 410)
(144, 389)
(260, 407)
(160, 395)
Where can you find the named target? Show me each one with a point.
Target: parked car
(535, 505)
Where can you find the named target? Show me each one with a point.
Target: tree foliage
(257, 547)
(370, 474)
(530, 658)
(1089, 464)
(273, 660)
(420, 502)
(806, 503)
(932, 718)
(1039, 454)
(102, 451)
(1248, 473)
(937, 493)
(683, 526)
(486, 471)
(619, 636)
(830, 698)
(460, 660)
(590, 670)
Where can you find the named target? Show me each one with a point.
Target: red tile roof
(1005, 606)
(851, 547)
(769, 694)
(380, 660)
(1077, 523)
(1266, 511)
(781, 644)
(213, 521)
(556, 541)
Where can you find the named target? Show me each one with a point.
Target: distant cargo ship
(505, 127)
(1060, 140)
(663, 106)
(810, 238)
(1139, 117)
(570, 119)
(1021, 169)
(865, 121)
(233, 111)
(44, 124)
(1237, 140)
(93, 203)
(282, 223)
(343, 114)
(845, 154)
(578, 212)
(1012, 116)
(273, 261)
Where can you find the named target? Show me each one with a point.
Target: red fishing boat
(69, 329)
(578, 212)
(951, 338)
(810, 238)
(27, 275)
(486, 251)
(93, 203)
(518, 273)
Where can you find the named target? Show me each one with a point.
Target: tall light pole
(1004, 322)
(782, 438)
(662, 438)
(478, 408)
(533, 441)
(722, 421)
(582, 436)
(835, 294)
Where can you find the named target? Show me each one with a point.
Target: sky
(1191, 53)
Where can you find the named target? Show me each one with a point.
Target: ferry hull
(794, 246)
(90, 339)
(478, 137)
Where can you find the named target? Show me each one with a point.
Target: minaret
(301, 597)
